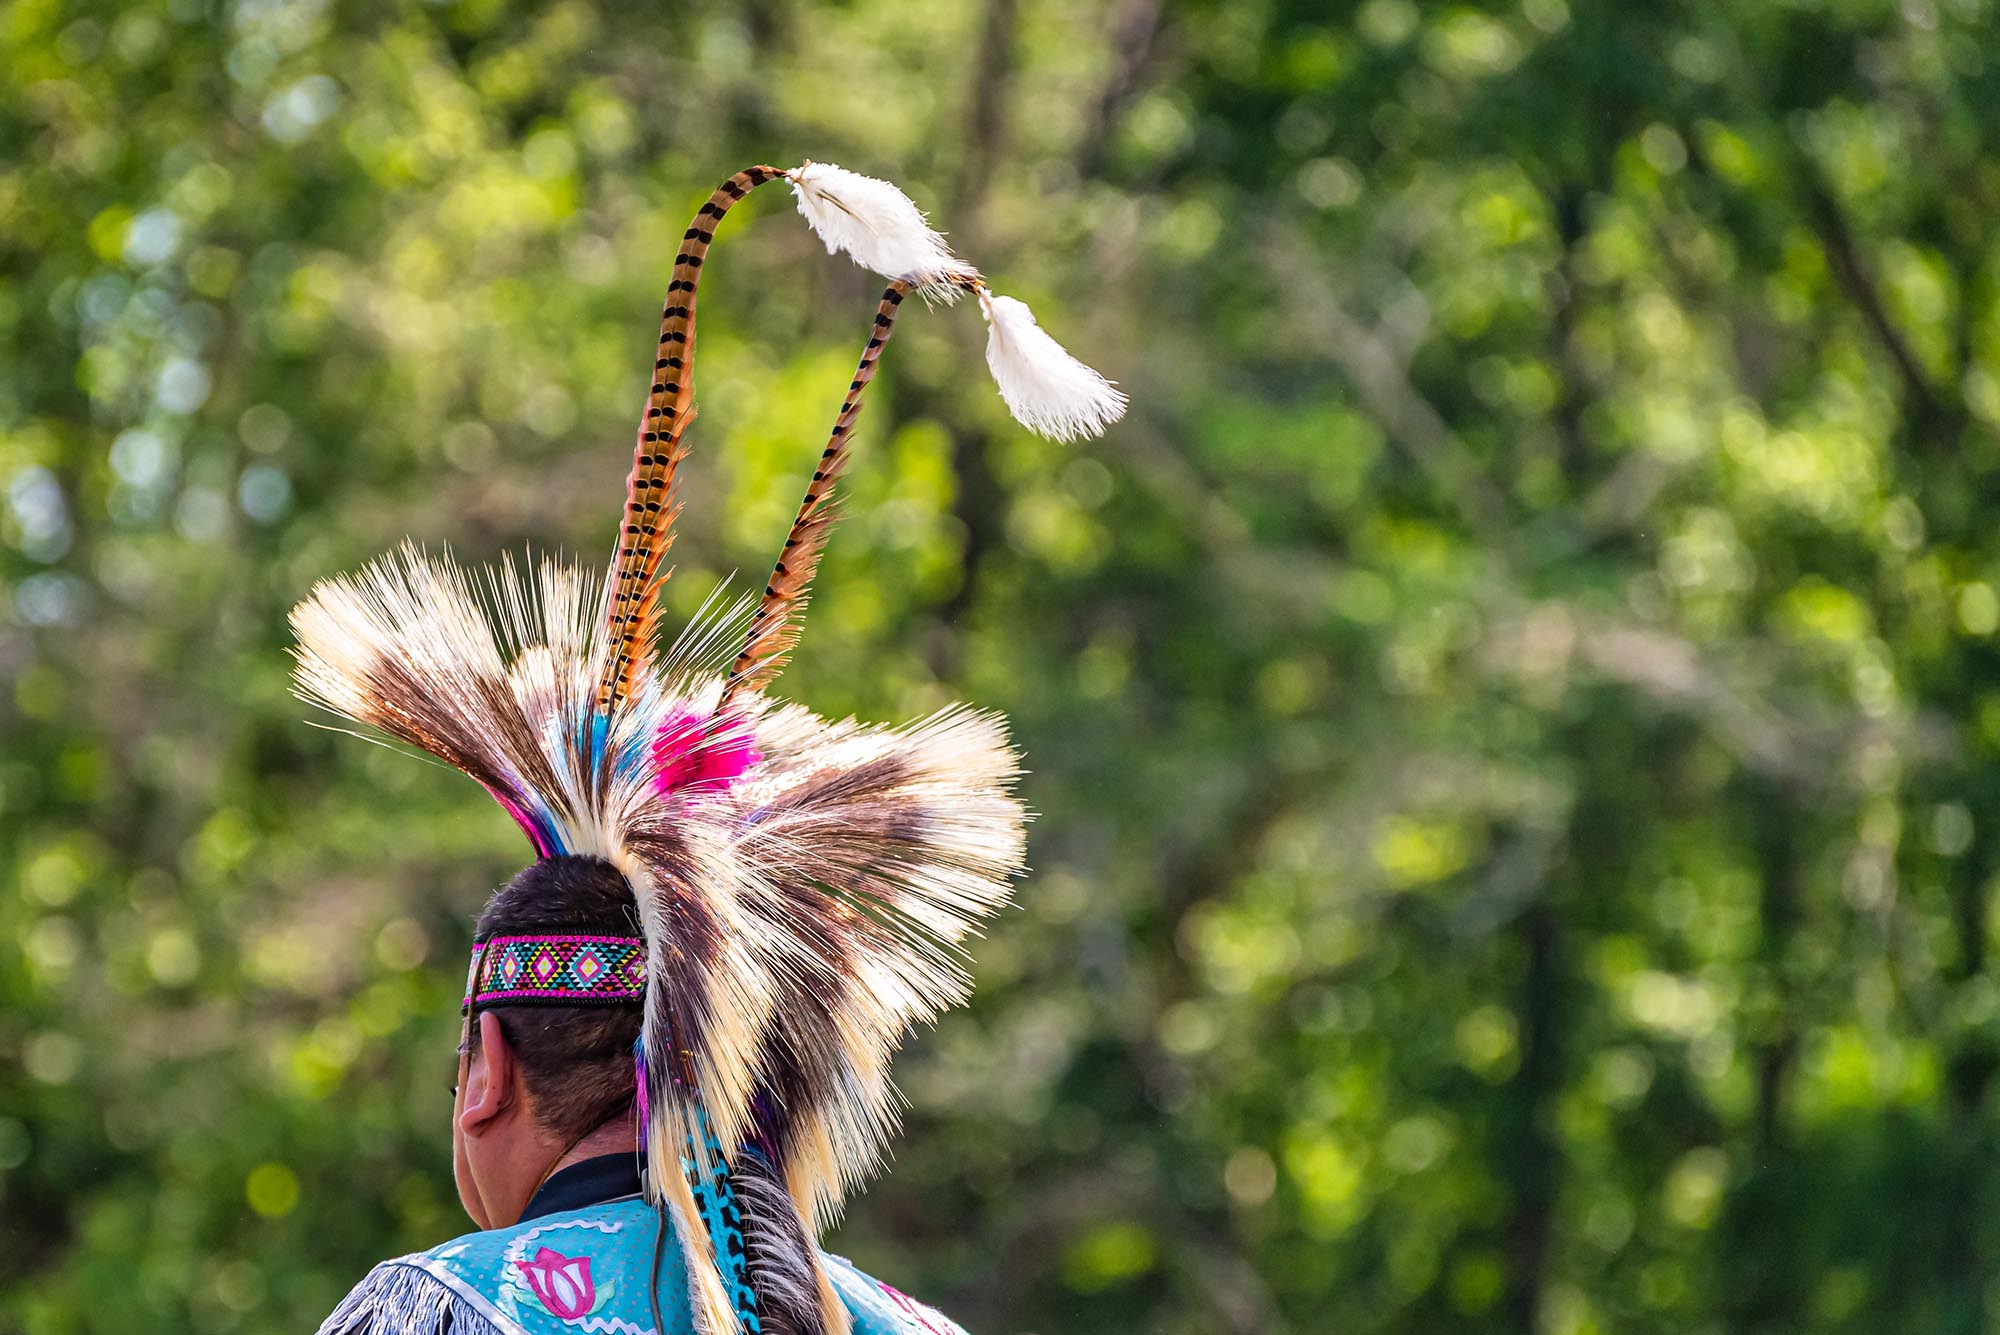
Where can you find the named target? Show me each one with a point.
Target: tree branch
(1844, 257)
(1134, 30)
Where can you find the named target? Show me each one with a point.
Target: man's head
(537, 1082)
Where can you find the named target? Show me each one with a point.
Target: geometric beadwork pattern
(579, 970)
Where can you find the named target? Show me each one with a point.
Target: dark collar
(586, 1182)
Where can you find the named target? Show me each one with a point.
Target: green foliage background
(1514, 713)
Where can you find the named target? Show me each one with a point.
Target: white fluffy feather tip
(879, 226)
(1048, 391)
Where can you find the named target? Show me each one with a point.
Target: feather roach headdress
(803, 885)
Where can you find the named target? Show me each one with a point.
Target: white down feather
(879, 226)
(1047, 390)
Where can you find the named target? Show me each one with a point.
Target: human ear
(489, 1078)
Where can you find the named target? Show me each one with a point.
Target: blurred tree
(1515, 711)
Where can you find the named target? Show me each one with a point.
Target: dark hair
(575, 1060)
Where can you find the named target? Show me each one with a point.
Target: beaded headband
(565, 969)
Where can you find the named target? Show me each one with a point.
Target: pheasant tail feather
(647, 530)
(774, 628)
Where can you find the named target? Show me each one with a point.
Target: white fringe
(397, 1298)
(879, 226)
(1047, 390)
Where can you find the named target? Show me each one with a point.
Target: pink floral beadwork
(556, 968)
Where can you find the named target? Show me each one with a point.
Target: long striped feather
(632, 597)
(774, 626)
